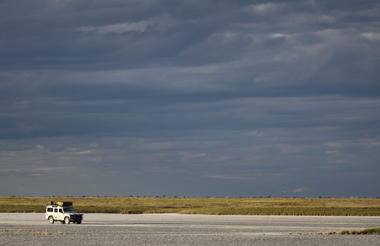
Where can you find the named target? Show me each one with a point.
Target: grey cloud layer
(230, 93)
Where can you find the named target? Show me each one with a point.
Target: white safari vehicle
(63, 212)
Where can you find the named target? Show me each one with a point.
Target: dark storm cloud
(90, 33)
(219, 94)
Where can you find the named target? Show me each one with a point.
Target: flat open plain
(176, 229)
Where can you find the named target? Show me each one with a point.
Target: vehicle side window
(61, 210)
(50, 209)
(55, 210)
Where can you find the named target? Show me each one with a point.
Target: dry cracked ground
(175, 229)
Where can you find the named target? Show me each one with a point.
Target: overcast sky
(190, 98)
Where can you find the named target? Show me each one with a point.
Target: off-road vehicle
(63, 212)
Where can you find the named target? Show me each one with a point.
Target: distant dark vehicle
(63, 212)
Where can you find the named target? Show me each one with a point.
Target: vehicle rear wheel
(51, 219)
(79, 222)
(67, 220)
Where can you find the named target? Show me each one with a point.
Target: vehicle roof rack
(63, 204)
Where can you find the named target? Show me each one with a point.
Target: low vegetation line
(215, 206)
(368, 231)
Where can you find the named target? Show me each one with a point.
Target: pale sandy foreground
(174, 229)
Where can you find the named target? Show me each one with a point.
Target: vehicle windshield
(68, 209)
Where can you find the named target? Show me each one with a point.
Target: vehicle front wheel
(67, 220)
(51, 219)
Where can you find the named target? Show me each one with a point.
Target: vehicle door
(56, 214)
(60, 214)
(49, 211)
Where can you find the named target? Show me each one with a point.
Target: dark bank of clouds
(190, 98)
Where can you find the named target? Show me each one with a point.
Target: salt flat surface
(176, 229)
